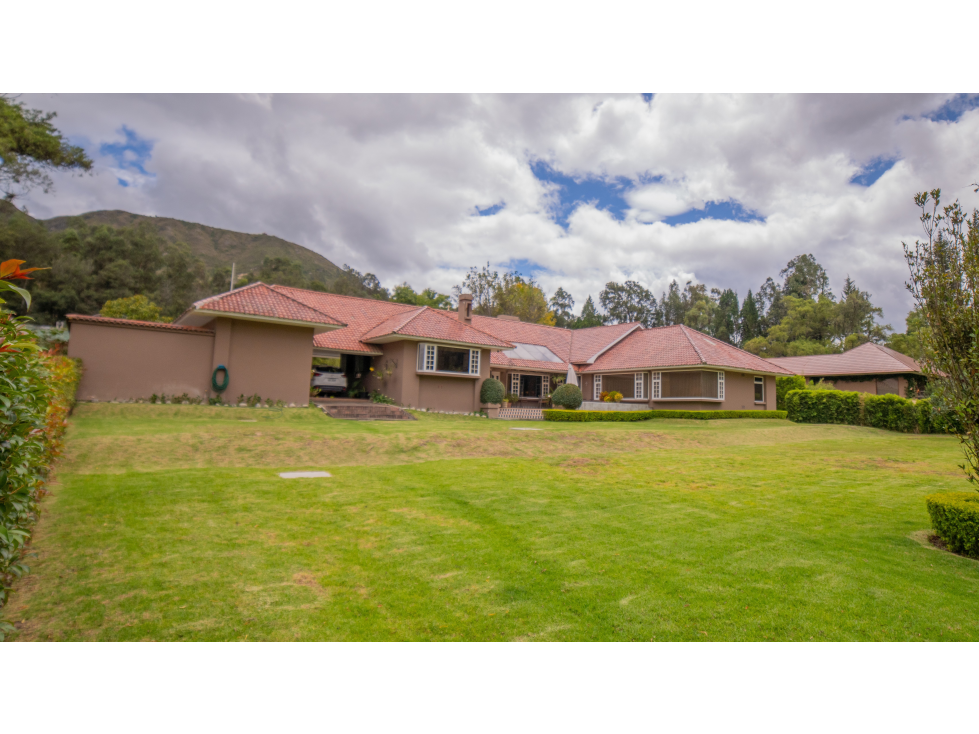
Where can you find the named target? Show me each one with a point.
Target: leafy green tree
(914, 340)
(589, 316)
(404, 293)
(856, 318)
(562, 304)
(628, 302)
(805, 278)
(772, 308)
(137, 308)
(944, 281)
(31, 147)
(352, 282)
(281, 271)
(509, 294)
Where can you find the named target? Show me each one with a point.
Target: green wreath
(222, 386)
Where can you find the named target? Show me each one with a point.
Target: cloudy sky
(574, 190)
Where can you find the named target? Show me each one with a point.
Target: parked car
(329, 380)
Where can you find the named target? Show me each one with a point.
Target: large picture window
(449, 360)
(632, 386)
(689, 385)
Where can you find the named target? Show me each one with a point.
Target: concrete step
(370, 412)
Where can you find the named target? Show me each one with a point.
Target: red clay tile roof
(574, 345)
(133, 324)
(430, 323)
(359, 314)
(678, 346)
(365, 316)
(261, 300)
(587, 343)
(867, 359)
(554, 338)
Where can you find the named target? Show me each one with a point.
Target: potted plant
(511, 400)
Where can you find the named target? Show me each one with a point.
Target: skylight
(535, 352)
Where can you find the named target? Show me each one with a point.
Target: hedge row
(890, 412)
(955, 517)
(37, 392)
(629, 416)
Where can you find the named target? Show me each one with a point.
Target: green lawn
(171, 523)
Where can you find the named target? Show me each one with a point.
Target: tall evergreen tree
(589, 316)
(672, 306)
(725, 321)
(749, 320)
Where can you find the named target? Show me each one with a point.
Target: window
(514, 383)
(657, 385)
(547, 386)
(598, 387)
(451, 360)
(720, 385)
(638, 381)
(759, 389)
(690, 385)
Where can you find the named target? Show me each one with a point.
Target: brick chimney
(466, 308)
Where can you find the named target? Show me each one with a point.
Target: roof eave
(202, 316)
(394, 337)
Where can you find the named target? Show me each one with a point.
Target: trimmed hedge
(955, 517)
(784, 385)
(824, 406)
(892, 413)
(630, 416)
(888, 412)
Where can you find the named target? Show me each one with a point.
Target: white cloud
(391, 183)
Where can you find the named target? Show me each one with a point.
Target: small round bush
(567, 396)
(492, 391)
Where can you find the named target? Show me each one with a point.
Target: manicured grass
(170, 523)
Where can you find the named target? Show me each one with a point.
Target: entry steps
(367, 412)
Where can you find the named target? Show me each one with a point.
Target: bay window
(688, 385)
(448, 360)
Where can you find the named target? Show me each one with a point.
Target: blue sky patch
(647, 97)
(727, 210)
(526, 268)
(873, 171)
(605, 194)
(954, 108)
(490, 210)
(130, 155)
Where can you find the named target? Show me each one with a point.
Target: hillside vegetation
(218, 248)
(105, 256)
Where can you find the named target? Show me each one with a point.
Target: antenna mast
(232, 278)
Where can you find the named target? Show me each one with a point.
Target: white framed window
(657, 385)
(545, 386)
(638, 392)
(759, 389)
(598, 387)
(720, 385)
(448, 360)
(514, 383)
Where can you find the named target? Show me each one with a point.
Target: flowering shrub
(613, 396)
(37, 391)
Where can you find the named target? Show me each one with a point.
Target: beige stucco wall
(270, 360)
(123, 363)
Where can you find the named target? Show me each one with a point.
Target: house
(265, 337)
(871, 368)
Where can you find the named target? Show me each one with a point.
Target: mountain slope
(216, 247)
